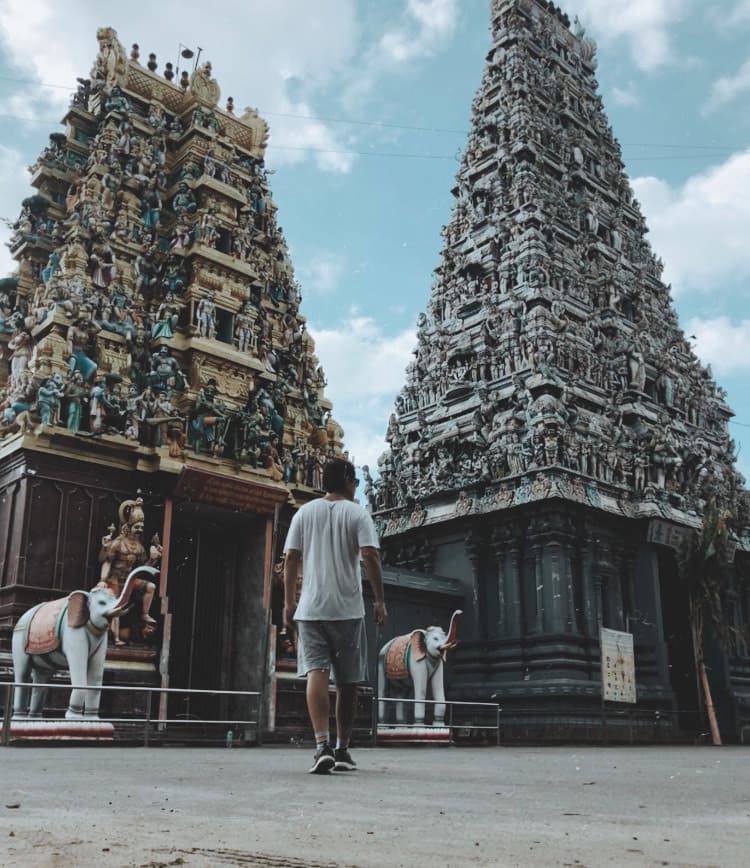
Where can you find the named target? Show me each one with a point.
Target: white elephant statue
(70, 633)
(416, 658)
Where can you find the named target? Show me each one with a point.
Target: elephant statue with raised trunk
(416, 660)
(70, 633)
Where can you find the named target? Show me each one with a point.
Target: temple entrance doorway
(677, 634)
(217, 634)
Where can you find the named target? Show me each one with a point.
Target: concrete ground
(443, 806)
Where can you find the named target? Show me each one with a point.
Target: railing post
(450, 722)
(374, 718)
(497, 716)
(8, 712)
(148, 717)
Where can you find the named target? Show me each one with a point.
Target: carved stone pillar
(590, 592)
(508, 597)
(570, 589)
(476, 550)
(538, 575)
(513, 593)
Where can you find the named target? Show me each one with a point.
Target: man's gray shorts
(337, 645)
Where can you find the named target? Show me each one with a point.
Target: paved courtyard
(442, 806)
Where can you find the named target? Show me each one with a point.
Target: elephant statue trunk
(123, 601)
(452, 640)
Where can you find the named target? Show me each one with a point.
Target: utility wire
(383, 124)
(400, 154)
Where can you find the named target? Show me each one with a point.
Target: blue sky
(369, 104)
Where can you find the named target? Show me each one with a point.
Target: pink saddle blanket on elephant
(43, 635)
(397, 655)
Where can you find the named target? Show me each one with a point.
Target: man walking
(326, 538)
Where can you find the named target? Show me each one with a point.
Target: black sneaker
(344, 761)
(323, 761)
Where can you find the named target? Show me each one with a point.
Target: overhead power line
(401, 154)
(385, 124)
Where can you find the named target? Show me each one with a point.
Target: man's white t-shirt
(330, 533)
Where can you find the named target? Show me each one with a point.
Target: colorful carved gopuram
(153, 346)
(556, 440)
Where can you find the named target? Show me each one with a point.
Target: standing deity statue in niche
(243, 328)
(206, 315)
(121, 554)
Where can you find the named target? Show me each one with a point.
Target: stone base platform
(59, 730)
(414, 735)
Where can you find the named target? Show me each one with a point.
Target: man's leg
(318, 706)
(318, 709)
(346, 709)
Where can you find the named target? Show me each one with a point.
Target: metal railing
(151, 726)
(604, 725)
(451, 724)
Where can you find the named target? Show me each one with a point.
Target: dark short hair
(336, 474)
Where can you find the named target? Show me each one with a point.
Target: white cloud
(423, 26)
(729, 87)
(422, 29)
(260, 54)
(701, 228)
(645, 24)
(280, 57)
(14, 186)
(722, 344)
(365, 369)
(321, 274)
(626, 96)
(740, 14)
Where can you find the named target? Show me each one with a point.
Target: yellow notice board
(618, 666)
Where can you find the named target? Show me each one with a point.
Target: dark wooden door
(203, 572)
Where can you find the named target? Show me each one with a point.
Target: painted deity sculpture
(416, 660)
(120, 555)
(67, 633)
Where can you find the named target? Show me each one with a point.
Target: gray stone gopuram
(556, 435)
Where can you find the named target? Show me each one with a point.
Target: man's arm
(292, 564)
(374, 570)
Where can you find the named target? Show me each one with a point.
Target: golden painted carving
(203, 87)
(110, 66)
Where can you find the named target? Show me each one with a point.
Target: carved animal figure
(416, 659)
(67, 633)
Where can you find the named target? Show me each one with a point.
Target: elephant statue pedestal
(58, 730)
(414, 735)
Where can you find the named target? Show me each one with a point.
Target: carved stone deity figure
(637, 366)
(184, 200)
(167, 317)
(206, 315)
(207, 420)
(75, 391)
(243, 328)
(81, 335)
(116, 101)
(50, 394)
(110, 65)
(165, 372)
(121, 554)
(203, 86)
(21, 347)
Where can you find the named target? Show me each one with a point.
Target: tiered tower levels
(155, 284)
(550, 362)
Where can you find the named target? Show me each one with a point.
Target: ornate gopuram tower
(153, 347)
(557, 439)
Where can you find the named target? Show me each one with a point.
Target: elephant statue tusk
(124, 598)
